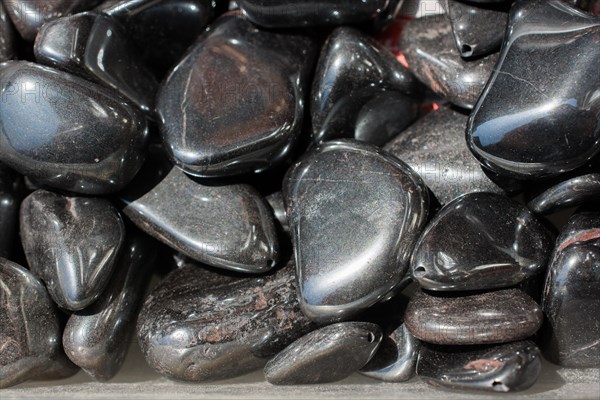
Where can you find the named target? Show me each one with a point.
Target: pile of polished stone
(317, 188)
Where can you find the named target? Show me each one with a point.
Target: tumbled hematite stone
(235, 103)
(540, 122)
(72, 244)
(225, 226)
(506, 367)
(481, 241)
(68, 133)
(325, 355)
(199, 326)
(571, 300)
(481, 318)
(355, 213)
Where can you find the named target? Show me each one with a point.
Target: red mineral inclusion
(484, 365)
(583, 236)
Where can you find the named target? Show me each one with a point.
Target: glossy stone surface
(227, 226)
(481, 318)
(349, 257)
(543, 121)
(275, 200)
(325, 355)
(7, 36)
(201, 326)
(429, 49)
(61, 368)
(98, 338)
(396, 357)
(570, 193)
(571, 301)
(478, 31)
(359, 90)
(162, 30)
(29, 15)
(72, 244)
(11, 193)
(312, 13)
(247, 122)
(30, 338)
(500, 243)
(435, 148)
(68, 133)
(95, 46)
(507, 367)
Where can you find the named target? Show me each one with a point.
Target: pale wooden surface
(137, 381)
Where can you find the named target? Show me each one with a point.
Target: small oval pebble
(327, 354)
(492, 317)
(72, 244)
(480, 241)
(507, 367)
(226, 226)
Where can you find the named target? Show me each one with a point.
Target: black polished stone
(72, 244)
(432, 57)
(571, 300)
(507, 367)
(8, 39)
(396, 357)
(97, 338)
(96, 47)
(435, 148)
(481, 241)
(570, 193)
(313, 13)
(68, 133)
(11, 193)
(355, 213)
(478, 30)
(226, 226)
(325, 355)
(199, 326)
(29, 15)
(30, 339)
(162, 30)
(543, 121)
(481, 318)
(235, 103)
(359, 91)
